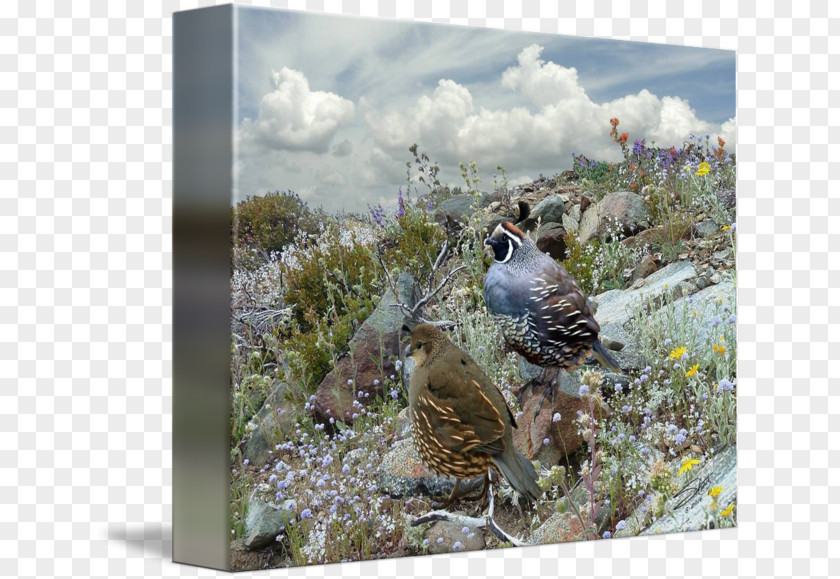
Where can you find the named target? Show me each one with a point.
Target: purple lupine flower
(401, 204)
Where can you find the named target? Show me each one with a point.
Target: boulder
(532, 432)
(369, 359)
(263, 523)
(549, 210)
(706, 228)
(646, 266)
(559, 528)
(588, 227)
(690, 507)
(449, 537)
(570, 223)
(271, 424)
(550, 240)
(622, 213)
(401, 473)
(616, 307)
(460, 207)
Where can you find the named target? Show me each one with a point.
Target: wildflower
(246, 462)
(687, 465)
(425, 542)
(680, 438)
(721, 142)
(732, 227)
(614, 122)
(556, 417)
(376, 381)
(457, 545)
(715, 491)
(725, 228)
(465, 530)
(618, 388)
(692, 371)
(306, 514)
(623, 138)
(350, 382)
(727, 511)
(732, 319)
(677, 353)
(546, 441)
(725, 386)
(395, 393)
(401, 203)
(439, 540)
(621, 525)
(584, 390)
(397, 365)
(607, 534)
(719, 349)
(430, 205)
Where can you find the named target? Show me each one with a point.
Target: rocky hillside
(324, 468)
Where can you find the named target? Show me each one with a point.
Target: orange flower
(632, 167)
(614, 122)
(623, 138)
(721, 142)
(633, 185)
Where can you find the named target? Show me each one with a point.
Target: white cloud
(564, 120)
(294, 117)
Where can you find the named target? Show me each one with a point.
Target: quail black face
(504, 240)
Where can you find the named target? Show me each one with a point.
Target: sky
(327, 106)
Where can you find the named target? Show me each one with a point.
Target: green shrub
(272, 221)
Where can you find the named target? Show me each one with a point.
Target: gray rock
(449, 537)
(549, 210)
(615, 308)
(709, 303)
(565, 381)
(368, 362)
(706, 228)
(401, 473)
(689, 509)
(271, 424)
(460, 207)
(263, 523)
(489, 222)
(622, 212)
(570, 223)
(588, 228)
(574, 212)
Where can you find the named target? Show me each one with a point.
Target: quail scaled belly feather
(542, 312)
(461, 423)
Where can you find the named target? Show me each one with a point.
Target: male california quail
(543, 313)
(461, 423)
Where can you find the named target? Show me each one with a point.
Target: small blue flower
(465, 530)
(618, 388)
(732, 319)
(306, 514)
(725, 385)
(556, 417)
(546, 441)
(395, 393)
(458, 545)
(607, 534)
(620, 526)
(439, 540)
(584, 390)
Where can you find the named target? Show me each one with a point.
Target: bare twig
(428, 297)
(473, 522)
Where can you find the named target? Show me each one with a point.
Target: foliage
(272, 221)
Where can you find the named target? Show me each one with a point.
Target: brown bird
(461, 423)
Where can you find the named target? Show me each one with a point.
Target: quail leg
(531, 384)
(451, 499)
(549, 385)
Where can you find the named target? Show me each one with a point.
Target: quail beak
(407, 352)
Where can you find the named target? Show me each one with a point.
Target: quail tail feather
(600, 353)
(519, 472)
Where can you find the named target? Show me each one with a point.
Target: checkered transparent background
(85, 280)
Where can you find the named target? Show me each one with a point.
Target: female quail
(543, 313)
(461, 423)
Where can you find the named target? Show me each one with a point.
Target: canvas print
(482, 289)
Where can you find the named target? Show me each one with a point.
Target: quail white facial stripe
(514, 238)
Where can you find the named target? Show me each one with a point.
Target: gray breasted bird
(543, 313)
(462, 426)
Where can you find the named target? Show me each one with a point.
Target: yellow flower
(726, 228)
(687, 465)
(719, 349)
(677, 353)
(692, 371)
(694, 314)
(727, 511)
(715, 491)
(703, 169)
